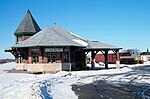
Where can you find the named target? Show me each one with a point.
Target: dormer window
(19, 39)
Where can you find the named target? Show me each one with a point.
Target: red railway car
(100, 58)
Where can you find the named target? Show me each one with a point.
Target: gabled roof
(28, 25)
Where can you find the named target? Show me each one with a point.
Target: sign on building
(53, 49)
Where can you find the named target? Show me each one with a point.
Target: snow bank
(62, 87)
(56, 86)
(7, 66)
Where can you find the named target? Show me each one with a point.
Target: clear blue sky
(124, 23)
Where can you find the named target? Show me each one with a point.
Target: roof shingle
(28, 25)
(50, 36)
(58, 36)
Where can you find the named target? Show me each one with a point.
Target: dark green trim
(24, 33)
(46, 46)
(7, 50)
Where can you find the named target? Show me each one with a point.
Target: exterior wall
(54, 67)
(68, 66)
(45, 58)
(69, 58)
(40, 57)
(145, 58)
(25, 37)
(49, 67)
(29, 56)
(34, 68)
(21, 66)
(16, 40)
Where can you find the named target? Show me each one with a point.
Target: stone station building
(54, 48)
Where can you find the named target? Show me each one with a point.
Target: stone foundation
(35, 68)
(21, 66)
(44, 67)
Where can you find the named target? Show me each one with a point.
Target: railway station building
(54, 48)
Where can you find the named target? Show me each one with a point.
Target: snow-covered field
(57, 86)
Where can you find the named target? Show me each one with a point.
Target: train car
(100, 58)
(130, 56)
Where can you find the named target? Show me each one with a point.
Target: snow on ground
(18, 85)
(56, 86)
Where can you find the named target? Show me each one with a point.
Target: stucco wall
(34, 68)
(21, 66)
(45, 67)
(52, 67)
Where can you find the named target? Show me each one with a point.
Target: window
(51, 57)
(19, 39)
(20, 59)
(35, 55)
(65, 57)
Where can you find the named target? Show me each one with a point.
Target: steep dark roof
(28, 25)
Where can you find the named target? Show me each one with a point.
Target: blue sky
(124, 23)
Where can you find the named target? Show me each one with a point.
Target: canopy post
(106, 59)
(93, 53)
(117, 59)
